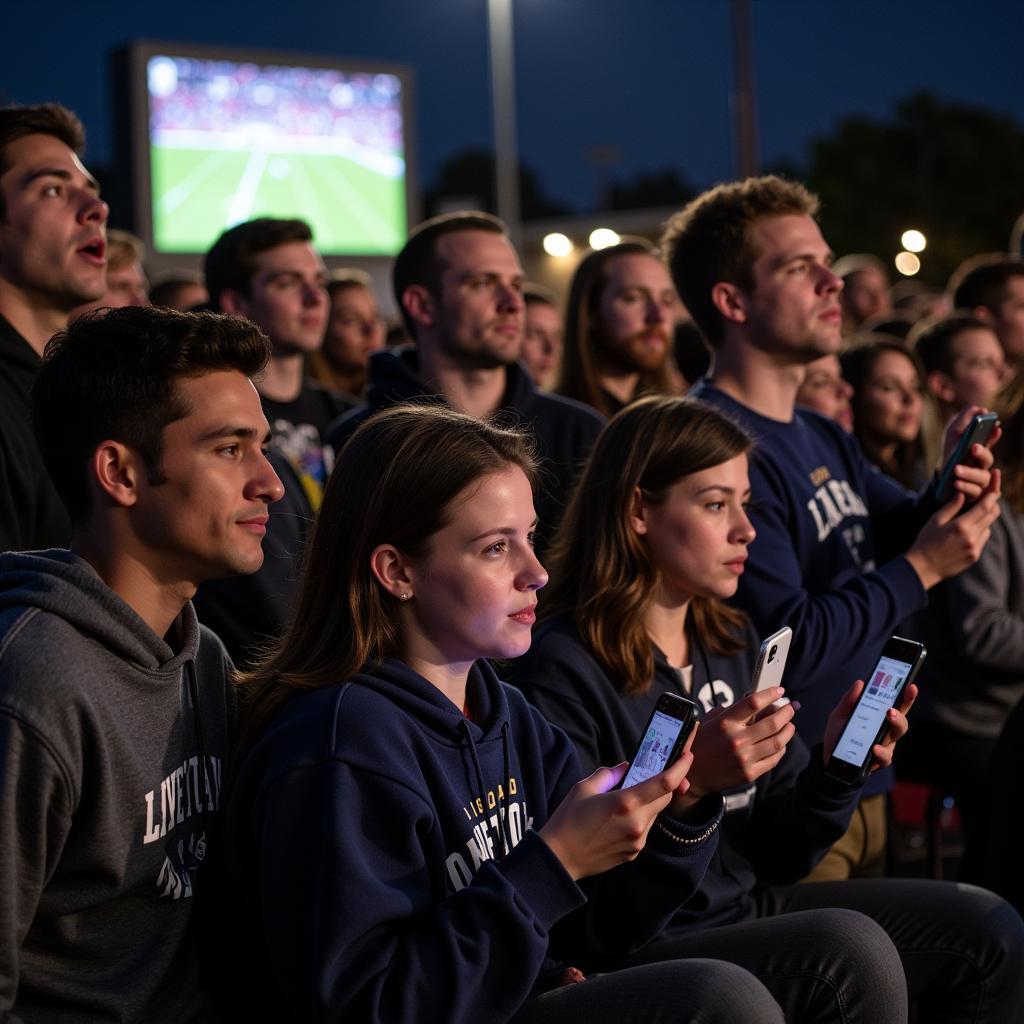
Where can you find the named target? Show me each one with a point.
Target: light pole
(503, 105)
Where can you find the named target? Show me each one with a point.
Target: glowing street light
(602, 238)
(557, 244)
(913, 241)
(907, 264)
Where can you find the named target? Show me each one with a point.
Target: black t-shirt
(299, 428)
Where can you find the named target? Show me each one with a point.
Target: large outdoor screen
(232, 139)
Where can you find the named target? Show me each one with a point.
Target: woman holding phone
(652, 544)
(407, 839)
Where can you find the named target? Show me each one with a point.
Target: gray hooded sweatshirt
(113, 743)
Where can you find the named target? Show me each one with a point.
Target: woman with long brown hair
(406, 831)
(653, 542)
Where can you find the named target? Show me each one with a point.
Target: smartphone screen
(656, 747)
(881, 693)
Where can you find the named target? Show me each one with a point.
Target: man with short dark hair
(842, 554)
(52, 259)
(459, 285)
(267, 270)
(115, 705)
(991, 287)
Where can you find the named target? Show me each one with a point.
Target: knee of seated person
(727, 993)
(993, 917)
(855, 936)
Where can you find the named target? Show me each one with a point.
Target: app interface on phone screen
(653, 753)
(880, 695)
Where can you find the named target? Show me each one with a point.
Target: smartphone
(664, 737)
(771, 663)
(978, 431)
(898, 665)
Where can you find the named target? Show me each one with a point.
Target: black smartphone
(663, 739)
(898, 665)
(978, 431)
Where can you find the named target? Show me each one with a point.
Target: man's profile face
(479, 312)
(287, 297)
(54, 229)
(637, 311)
(793, 308)
(207, 517)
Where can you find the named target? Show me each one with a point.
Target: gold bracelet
(689, 842)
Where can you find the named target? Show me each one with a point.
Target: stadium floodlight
(602, 238)
(907, 263)
(557, 244)
(913, 240)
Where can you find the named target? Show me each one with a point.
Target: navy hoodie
(775, 830)
(383, 848)
(564, 430)
(827, 560)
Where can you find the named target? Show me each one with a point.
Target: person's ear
(117, 471)
(420, 305)
(638, 513)
(941, 387)
(730, 300)
(391, 569)
(232, 301)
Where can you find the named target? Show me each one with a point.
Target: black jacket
(32, 516)
(564, 430)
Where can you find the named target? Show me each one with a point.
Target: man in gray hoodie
(114, 703)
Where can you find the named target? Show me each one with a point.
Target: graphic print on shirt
(833, 502)
(486, 841)
(301, 445)
(185, 794)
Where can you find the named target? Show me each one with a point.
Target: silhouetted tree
(649, 189)
(955, 172)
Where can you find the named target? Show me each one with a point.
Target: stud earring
(404, 597)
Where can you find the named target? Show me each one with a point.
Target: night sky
(649, 77)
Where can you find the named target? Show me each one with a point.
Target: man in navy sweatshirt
(459, 285)
(843, 554)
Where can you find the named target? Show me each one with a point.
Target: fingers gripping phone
(898, 665)
(663, 738)
(771, 663)
(978, 431)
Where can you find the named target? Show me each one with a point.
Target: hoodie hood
(395, 377)
(61, 583)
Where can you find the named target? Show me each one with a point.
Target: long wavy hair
(394, 483)
(601, 570)
(579, 374)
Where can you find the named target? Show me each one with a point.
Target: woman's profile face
(890, 403)
(475, 590)
(698, 537)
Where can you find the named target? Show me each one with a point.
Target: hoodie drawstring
(481, 785)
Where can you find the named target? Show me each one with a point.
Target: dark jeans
(819, 965)
(962, 948)
(689, 991)
(853, 951)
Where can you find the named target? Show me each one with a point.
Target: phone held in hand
(898, 665)
(978, 431)
(663, 739)
(771, 663)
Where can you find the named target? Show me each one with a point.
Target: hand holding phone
(736, 745)
(771, 663)
(978, 431)
(663, 738)
(853, 755)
